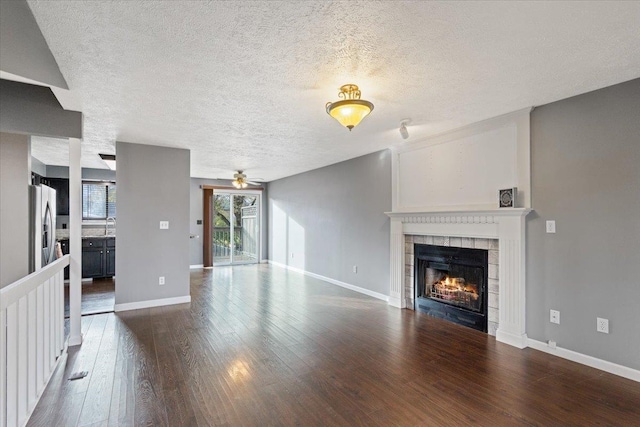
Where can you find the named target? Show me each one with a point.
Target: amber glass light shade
(351, 110)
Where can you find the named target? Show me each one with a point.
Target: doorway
(235, 234)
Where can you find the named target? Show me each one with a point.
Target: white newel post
(75, 241)
(396, 293)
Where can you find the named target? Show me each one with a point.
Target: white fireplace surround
(506, 225)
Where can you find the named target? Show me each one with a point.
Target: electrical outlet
(355, 269)
(602, 325)
(554, 316)
(161, 280)
(551, 226)
(291, 254)
(164, 225)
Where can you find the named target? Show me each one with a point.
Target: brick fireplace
(501, 232)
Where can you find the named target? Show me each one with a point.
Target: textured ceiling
(243, 84)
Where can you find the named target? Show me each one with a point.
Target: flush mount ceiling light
(110, 160)
(351, 109)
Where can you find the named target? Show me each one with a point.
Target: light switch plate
(164, 225)
(551, 226)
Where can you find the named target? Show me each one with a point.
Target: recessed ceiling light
(110, 160)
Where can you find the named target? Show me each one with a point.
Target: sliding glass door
(236, 227)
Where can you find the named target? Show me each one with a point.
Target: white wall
(466, 168)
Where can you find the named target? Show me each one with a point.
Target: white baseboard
(396, 302)
(603, 365)
(333, 281)
(517, 340)
(196, 266)
(152, 303)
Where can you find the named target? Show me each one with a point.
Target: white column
(396, 291)
(512, 277)
(75, 241)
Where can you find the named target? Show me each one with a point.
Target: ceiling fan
(240, 180)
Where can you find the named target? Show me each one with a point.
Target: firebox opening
(456, 285)
(451, 283)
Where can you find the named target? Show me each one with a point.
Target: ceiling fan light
(350, 111)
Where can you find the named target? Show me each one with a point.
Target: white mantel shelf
(507, 225)
(451, 213)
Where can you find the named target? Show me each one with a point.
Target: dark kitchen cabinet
(64, 245)
(98, 257)
(110, 262)
(61, 185)
(93, 263)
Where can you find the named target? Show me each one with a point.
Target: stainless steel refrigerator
(42, 209)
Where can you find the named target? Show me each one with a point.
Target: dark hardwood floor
(98, 296)
(262, 346)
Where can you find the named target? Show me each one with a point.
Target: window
(98, 200)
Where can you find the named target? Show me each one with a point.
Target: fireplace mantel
(506, 225)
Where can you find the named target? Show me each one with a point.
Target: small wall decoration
(507, 197)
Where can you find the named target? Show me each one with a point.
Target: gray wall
(15, 177)
(38, 167)
(585, 155)
(333, 218)
(153, 186)
(23, 49)
(87, 173)
(34, 110)
(196, 249)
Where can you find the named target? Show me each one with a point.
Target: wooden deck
(260, 346)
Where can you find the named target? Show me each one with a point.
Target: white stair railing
(31, 339)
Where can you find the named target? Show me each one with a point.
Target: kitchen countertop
(102, 236)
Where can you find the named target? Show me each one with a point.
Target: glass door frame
(235, 192)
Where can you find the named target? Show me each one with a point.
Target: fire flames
(455, 288)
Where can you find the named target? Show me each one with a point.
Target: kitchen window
(98, 200)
